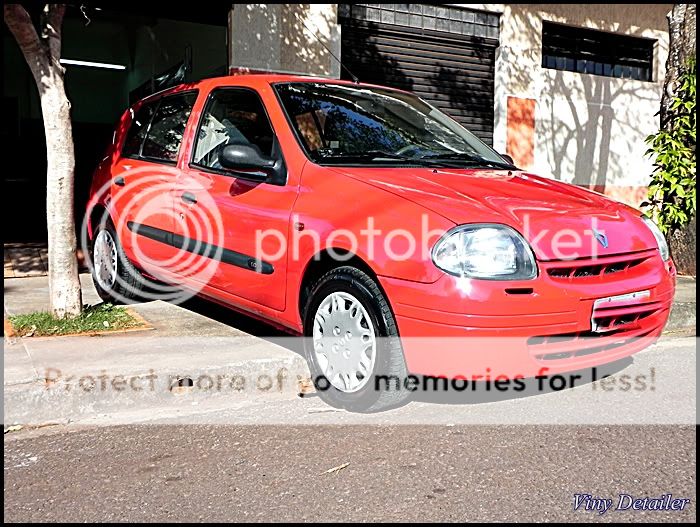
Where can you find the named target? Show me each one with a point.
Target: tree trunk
(681, 24)
(681, 33)
(42, 55)
(64, 280)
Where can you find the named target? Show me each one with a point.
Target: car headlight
(487, 251)
(660, 238)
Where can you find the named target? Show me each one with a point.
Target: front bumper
(481, 329)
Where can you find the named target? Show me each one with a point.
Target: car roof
(251, 79)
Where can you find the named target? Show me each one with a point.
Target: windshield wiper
(454, 159)
(469, 158)
(371, 156)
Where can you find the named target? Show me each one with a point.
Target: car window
(232, 116)
(165, 133)
(137, 131)
(337, 123)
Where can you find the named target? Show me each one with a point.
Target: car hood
(557, 219)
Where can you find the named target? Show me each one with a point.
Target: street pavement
(402, 474)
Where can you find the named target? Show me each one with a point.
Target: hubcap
(344, 342)
(104, 260)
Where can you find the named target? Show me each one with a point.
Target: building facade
(570, 91)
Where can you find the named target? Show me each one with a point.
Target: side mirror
(508, 158)
(247, 158)
(248, 162)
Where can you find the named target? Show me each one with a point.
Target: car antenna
(354, 77)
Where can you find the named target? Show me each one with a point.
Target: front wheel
(352, 343)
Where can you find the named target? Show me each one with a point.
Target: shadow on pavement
(431, 390)
(233, 318)
(437, 391)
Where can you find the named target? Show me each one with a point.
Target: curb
(162, 392)
(683, 316)
(143, 325)
(8, 330)
(173, 390)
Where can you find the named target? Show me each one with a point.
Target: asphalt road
(395, 473)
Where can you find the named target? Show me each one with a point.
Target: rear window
(139, 126)
(157, 128)
(165, 133)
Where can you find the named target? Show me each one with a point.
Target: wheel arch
(94, 216)
(324, 261)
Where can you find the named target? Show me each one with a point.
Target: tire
(127, 282)
(383, 386)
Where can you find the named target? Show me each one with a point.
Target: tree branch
(20, 25)
(51, 21)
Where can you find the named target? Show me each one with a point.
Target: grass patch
(102, 317)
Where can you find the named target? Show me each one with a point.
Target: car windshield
(343, 124)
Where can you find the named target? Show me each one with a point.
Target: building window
(597, 52)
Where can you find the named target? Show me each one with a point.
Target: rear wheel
(116, 279)
(352, 343)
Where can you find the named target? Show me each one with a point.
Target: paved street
(228, 473)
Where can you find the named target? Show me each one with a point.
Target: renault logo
(602, 238)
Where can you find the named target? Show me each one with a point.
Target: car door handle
(119, 180)
(188, 197)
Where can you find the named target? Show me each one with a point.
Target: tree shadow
(589, 129)
(290, 38)
(361, 54)
(469, 107)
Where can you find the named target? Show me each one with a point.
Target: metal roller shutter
(446, 55)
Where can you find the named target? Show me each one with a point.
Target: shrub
(671, 198)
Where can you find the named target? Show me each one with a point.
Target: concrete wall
(588, 129)
(273, 37)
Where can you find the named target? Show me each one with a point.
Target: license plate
(616, 301)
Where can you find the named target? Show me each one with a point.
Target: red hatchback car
(369, 222)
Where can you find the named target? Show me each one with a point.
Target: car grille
(613, 327)
(608, 319)
(573, 270)
(582, 344)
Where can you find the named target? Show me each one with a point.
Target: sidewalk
(25, 259)
(183, 347)
(21, 260)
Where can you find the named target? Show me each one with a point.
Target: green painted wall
(99, 95)
(145, 46)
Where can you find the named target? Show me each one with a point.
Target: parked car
(258, 192)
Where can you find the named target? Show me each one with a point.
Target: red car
(379, 228)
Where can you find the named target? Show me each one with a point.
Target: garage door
(444, 54)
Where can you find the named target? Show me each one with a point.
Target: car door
(237, 226)
(143, 180)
